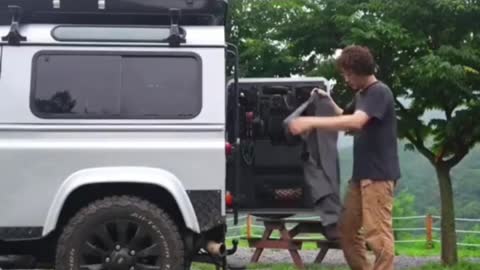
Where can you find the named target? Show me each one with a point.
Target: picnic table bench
(288, 241)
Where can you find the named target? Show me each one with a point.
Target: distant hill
(419, 179)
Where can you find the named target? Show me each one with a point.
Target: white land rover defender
(120, 137)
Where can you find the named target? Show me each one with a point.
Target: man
(367, 215)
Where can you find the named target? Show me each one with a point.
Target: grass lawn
(461, 266)
(404, 249)
(420, 250)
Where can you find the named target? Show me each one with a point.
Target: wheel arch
(156, 185)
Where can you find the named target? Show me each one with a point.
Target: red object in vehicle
(228, 148)
(249, 116)
(229, 199)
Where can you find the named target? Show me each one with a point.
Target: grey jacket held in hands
(321, 168)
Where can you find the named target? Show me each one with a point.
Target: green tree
(427, 51)
(254, 27)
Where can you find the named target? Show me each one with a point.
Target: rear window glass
(116, 86)
(111, 33)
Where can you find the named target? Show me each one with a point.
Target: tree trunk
(449, 237)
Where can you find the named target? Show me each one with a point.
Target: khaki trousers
(366, 220)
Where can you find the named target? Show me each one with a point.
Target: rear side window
(106, 86)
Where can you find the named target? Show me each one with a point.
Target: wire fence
(247, 226)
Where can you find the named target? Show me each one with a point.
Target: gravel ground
(333, 258)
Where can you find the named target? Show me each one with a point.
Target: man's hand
(320, 92)
(299, 126)
(324, 93)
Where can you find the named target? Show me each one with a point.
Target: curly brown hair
(358, 60)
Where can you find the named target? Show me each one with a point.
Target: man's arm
(338, 110)
(337, 123)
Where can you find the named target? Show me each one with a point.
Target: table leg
(321, 254)
(258, 251)
(297, 260)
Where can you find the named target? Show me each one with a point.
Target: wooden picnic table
(288, 240)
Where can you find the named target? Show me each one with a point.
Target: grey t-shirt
(375, 150)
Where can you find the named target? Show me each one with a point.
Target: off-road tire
(153, 219)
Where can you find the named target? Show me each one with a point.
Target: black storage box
(200, 6)
(65, 5)
(116, 11)
(129, 6)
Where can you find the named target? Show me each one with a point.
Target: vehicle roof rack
(14, 37)
(176, 36)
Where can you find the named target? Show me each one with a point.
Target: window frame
(42, 115)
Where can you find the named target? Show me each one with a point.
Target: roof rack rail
(14, 37)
